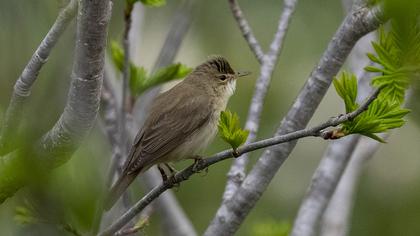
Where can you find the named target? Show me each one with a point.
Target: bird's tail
(118, 189)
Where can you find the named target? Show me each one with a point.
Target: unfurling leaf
(230, 129)
(383, 114)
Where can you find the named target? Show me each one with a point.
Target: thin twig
(231, 214)
(23, 85)
(205, 163)
(246, 30)
(236, 173)
(125, 107)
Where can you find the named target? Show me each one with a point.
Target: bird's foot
(171, 169)
(197, 161)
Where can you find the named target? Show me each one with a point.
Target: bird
(181, 123)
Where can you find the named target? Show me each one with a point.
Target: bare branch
(322, 186)
(23, 85)
(246, 30)
(237, 172)
(82, 106)
(230, 215)
(205, 163)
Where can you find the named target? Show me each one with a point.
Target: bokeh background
(388, 196)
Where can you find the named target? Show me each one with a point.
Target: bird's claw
(197, 161)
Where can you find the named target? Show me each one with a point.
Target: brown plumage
(181, 123)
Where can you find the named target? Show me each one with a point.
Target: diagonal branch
(316, 131)
(237, 171)
(230, 215)
(23, 85)
(79, 115)
(246, 30)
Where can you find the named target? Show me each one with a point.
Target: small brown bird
(181, 123)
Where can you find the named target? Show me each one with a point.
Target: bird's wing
(171, 121)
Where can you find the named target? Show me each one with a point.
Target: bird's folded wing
(167, 127)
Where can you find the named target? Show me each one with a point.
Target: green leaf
(171, 72)
(346, 87)
(230, 131)
(138, 76)
(117, 55)
(153, 3)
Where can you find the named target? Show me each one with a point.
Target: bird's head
(217, 74)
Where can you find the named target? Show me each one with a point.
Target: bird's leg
(171, 169)
(162, 173)
(197, 160)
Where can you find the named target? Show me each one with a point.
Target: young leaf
(230, 131)
(117, 55)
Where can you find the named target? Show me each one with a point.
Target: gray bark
(23, 85)
(83, 99)
(230, 215)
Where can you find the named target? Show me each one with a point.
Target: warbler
(181, 121)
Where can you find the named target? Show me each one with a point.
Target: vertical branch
(124, 108)
(237, 171)
(23, 85)
(323, 184)
(231, 214)
(79, 115)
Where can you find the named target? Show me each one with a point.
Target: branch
(79, 115)
(230, 215)
(23, 85)
(236, 173)
(336, 218)
(246, 31)
(316, 131)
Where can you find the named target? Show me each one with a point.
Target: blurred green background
(388, 199)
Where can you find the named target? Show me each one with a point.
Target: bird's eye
(222, 77)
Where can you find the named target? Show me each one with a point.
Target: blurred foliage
(150, 3)
(230, 129)
(139, 80)
(270, 227)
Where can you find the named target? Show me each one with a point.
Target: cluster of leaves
(230, 129)
(398, 57)
(382, 114)
(397, 61)
(140, 81)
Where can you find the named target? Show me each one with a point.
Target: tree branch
(79, 115)
(23, 85)
(236, 173)
(230, 215)
(316, 131)
(246, 31)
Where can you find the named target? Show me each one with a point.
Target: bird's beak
(242, 73)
